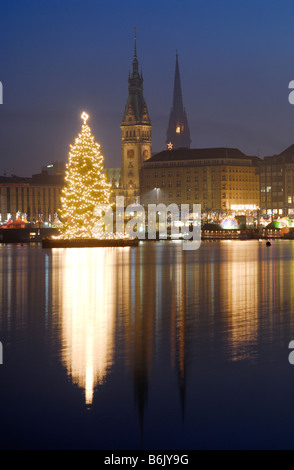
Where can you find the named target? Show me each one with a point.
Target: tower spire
(178, 133)
(135, 41)
(136, 105)
(135, 60)
(178, 98)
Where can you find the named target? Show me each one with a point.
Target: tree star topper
(85, 117)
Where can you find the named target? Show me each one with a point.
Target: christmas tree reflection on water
(87, 323)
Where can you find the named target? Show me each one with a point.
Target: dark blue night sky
(60, 57)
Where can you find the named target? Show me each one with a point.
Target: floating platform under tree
(87, 243)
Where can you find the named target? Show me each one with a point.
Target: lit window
(178, 129)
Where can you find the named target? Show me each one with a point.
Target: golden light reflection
(87, 323)
(178, 313)
(224, 302)
(240, 282)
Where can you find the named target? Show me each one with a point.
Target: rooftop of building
(185, 154)
(286, 156)
(14, 179)
(42, 178)
(46, 178)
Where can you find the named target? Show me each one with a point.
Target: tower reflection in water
(87, 312)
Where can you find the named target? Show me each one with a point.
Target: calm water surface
(150, 347)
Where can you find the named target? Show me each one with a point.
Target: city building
(277, 183)
(178, 133)
(217, 178)
(35, 199)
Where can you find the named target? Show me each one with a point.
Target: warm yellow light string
(86, 188)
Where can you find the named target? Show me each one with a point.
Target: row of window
(177, 184)
(204, 178)
(28, 191)
(269, 189)
(132, 133)
(212, 164)
(265, 205)
(273, 179)
(178, 194)
(269, 199)
(273, 170)
(203, 187)
(179, 172)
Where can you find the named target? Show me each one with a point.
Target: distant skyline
(61, 57)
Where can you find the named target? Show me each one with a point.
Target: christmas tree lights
(86, 192)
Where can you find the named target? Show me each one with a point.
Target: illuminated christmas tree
(86, 191)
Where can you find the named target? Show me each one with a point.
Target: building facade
(217, 178)
(36, 198)
(277, 183)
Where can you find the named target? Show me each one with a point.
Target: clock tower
(135, 133)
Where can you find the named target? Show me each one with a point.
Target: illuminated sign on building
(246, 207)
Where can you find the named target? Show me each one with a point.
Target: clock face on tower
(145, 155)
(130, 154)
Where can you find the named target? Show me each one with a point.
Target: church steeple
(178, 133)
